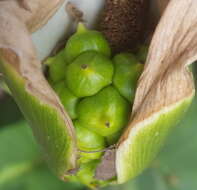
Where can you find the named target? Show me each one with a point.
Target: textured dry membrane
(34, 13)
(107, 168)
(122, 22)
(17, 49)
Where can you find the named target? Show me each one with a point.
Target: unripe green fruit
(86, 175)
(126, 74)
(104, 113)
(113, 139)
(57, 67)
(84, 40)
(85, 157)
(142, 53)
(67, 98)
(89, 142)
(89, 73)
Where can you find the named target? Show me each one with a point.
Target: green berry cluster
(97, 92)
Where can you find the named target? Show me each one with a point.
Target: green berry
(89, 73)
(86, 175)
(72, 178)
(104, 113)
(84, 40)
(67, 98)
(57, 67)
(126, 74)
(113, 139)
(142, 53)
(88, 142)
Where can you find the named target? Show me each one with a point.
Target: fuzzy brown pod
(122, 23)
(164, 92)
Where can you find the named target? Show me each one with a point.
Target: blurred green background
(22, 167)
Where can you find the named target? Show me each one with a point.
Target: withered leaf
(17, 50)
(34, 13)
(166, 79)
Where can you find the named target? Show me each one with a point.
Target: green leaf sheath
(46, 121)
(145, 140)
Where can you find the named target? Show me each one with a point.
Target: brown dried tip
(122, 22)
(74, 12)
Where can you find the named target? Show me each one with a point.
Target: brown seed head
(122, 22)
